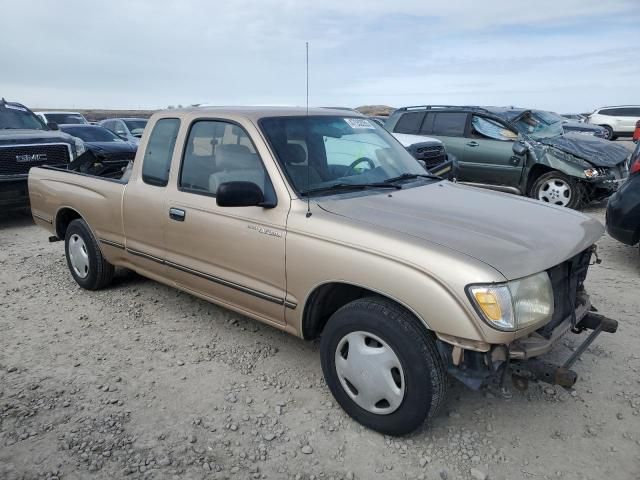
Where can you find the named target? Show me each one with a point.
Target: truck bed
(92, 189)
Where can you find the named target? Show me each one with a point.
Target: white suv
(617, 121)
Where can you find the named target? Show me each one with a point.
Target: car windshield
(20, 118)
(65, 118)
(323, 152)
(92, 134)
(533, 126)
(136, 127)
(548, 118)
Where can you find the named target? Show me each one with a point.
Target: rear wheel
(88, 267)
(558, 189)
(608, 132)
(382, 366)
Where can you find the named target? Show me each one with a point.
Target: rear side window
(409, 122)
(157, 157)
(449, 124)
(629, 112)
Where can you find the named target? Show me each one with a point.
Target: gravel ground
(142, 381)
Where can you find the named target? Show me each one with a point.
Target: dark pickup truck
(26, 142)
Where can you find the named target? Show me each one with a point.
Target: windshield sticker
(13, 107)
(359, 123)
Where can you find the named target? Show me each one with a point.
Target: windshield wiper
(351, 186)
(409, 176)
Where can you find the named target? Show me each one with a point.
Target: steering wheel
(351, 170)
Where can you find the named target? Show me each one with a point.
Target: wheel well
(64, 217)
(325, 300)
(536, 171)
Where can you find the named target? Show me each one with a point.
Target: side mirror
(519, 148)
(53, 126)
(240, 194)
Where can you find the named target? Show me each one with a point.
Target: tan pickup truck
(321, 224)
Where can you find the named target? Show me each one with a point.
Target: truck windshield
(68, 118)
(19, 118)
(318, 152)
(92, 134)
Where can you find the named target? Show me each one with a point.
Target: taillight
(635, 166)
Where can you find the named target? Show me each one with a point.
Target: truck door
(488, 154)
(144, 202)
(232, 255)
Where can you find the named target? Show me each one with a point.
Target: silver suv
(617, 121)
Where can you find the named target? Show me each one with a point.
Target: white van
(618, 121)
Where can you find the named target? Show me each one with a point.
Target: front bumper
(521, 358)
(14, 192)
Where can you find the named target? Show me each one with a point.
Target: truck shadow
(15, 219)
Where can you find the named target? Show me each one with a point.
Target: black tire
(541, 184)
(425, 377)
(609, 132)
(99, 272)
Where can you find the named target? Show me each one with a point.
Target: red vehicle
(636, 132)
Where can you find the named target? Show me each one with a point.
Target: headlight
(80, 148)
(516, 304)
(591, 173)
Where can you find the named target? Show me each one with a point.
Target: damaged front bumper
(520, 359)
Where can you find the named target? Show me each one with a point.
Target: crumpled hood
(111, 147)
(12, 136)
(597, 151)
(515, 235)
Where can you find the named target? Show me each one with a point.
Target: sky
(561, 55)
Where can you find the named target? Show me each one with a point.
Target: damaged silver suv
(512, 150)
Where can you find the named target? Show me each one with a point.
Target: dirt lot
(141, 381)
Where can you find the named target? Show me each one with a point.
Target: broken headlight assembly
(516, 304)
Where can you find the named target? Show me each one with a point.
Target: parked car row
(29, 139)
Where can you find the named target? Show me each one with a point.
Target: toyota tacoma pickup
(26, 142)
(321, 224)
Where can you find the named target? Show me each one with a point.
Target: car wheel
(608, 135)
(382, 366)
(557, 188)
(88, 267)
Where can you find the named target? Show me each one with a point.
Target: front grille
(567, 280)
(18, 159)
(432, 155)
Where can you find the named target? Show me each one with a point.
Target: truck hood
(515, 235)
(597, 151)
(407, 139)
(11, 136)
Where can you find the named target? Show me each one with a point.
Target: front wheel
(88, 267)
(558, 189)
(382, 366)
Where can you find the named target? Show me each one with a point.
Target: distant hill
(95, 115)
(375, 110)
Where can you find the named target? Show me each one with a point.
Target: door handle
(473, 143)
(177, 214)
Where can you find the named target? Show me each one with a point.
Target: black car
(25, 142)
(623, 209)
(102, 142)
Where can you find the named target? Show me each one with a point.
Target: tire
(420, 375)
(609, 132)
(557, 188)
(88, 267)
